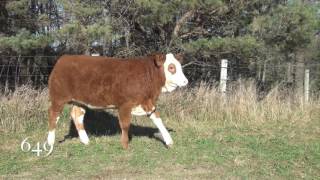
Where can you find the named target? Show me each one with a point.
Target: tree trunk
(289, 72)
(258, 71)
(264, 72)
(299, 73)
(127, 37)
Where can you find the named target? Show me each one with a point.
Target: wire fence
(19, 70)
(35, 70)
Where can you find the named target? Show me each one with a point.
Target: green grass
(229, 152)
(206, 146)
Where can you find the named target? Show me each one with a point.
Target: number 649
(26, 147)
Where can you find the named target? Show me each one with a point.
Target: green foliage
(99, 31)
(244, 31)
(159, 10)
(241, 47)
(289, 27)
(80, 37)
(84, 11)
(23, 42)
(18, 7)
(166, 11)
(74, 36)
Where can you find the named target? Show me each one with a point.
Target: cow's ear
(159, 59)
(179, 57)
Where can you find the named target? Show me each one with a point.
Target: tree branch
(181, 21)
(179, 24)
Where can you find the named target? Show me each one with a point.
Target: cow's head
(173, 72)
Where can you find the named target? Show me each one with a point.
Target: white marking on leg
(57, 119)
(82, 110)
(82, 133)
(51, 137)
(138, 111)
(73, 113)
(80, 119)
(164, 132)
(83, 136)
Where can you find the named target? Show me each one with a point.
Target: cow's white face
(173, 73)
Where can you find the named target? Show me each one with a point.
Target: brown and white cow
(130, 85)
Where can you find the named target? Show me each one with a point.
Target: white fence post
(223, 76)
(306, 85)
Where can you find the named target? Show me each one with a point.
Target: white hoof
(167, 138)
(83, 137)
(51, 137)
(170, 143)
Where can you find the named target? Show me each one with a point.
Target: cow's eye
(172, 68)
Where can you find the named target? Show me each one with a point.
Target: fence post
(223, 76)
(306, 85)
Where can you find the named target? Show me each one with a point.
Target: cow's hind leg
(77, 115)
(124, 121)
(54, 112)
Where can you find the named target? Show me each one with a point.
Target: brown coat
(103, 82)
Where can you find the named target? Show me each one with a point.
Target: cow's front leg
(124, 121)
(155, 117)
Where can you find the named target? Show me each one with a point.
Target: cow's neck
(157, 78)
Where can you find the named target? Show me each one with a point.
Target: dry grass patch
(240, 107)
(23, 109)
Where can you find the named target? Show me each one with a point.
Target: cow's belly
(93, 107)
(100, 108)
(137, 111)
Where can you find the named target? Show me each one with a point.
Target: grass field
(240, 137)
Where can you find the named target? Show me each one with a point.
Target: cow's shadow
(101, 123)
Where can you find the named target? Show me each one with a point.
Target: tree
(288, 30)
(253, 34)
